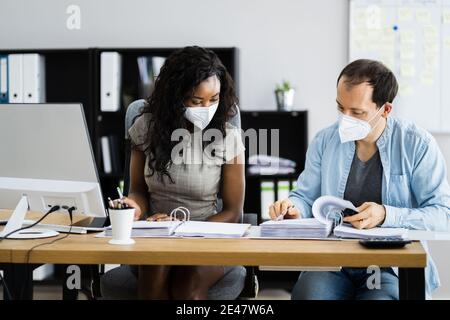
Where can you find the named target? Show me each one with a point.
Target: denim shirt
(415, 191)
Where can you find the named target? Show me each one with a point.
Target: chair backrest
(132, 113)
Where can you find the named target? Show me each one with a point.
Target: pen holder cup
(121, 224)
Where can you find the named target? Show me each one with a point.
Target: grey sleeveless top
(196, 172)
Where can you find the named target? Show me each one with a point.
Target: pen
(281, 216)
(120, 193)
(111, 203)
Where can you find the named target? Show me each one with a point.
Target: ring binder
(185, 211)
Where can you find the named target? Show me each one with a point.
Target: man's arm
(431, 191)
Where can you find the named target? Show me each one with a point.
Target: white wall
(304, 41)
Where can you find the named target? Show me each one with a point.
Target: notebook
(328, 212)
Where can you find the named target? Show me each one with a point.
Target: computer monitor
(47, 157)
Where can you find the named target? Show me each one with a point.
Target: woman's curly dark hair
(182, 71)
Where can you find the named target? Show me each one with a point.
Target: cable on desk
(52, 209)
(70, 211)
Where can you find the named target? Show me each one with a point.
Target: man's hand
(370, 215)
(283, 207)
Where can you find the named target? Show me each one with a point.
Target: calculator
(384, 243)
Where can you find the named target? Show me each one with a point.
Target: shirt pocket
(399, 193)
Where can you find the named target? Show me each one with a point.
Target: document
(328, 213)
(202, 229)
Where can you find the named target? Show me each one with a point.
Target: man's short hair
(376, 74)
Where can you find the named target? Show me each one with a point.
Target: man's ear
(387, 109)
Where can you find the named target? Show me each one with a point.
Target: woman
(193, 94)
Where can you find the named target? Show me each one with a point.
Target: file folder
(4, 79)
(283, 189)
(106, 154)
(110, 80)
(33, 78)
(15, 78)
(267, 198)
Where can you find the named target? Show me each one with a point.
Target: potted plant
(284, 94)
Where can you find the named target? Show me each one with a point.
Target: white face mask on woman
(353, 129)
(201, 116)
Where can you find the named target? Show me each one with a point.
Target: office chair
(121, 282)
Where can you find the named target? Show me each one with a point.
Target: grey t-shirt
(364, 181)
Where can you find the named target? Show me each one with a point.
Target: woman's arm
(138, 192)
(233, 191)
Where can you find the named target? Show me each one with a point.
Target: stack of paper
(296, 228)
(347, 231)
(261, 164)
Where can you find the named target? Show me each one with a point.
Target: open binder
(184, 227)
(328, 212)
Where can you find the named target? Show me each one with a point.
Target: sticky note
(431, 48)
(446, 16)
(388, 61)
(373, 17)
(388, 36)
(430, 60)
(430, 32)
(406, 90)
(405, 14)
(428, 81)
(407, 36)
(423, 15)
(360, 17)
(447, 43)
(407, 70)
(407, 54)
(427, 78)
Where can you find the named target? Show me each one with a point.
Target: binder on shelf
(157, 63)
(110, 81)
(15, 78)
(110, 154)
(33, 78)
(106, 154)
(115, 154)
(149, 68)
(267, 198)
(4, 79)
(293, 185)
(283, 189)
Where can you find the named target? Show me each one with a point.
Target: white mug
(121, 224)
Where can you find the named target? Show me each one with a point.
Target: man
(392, 170)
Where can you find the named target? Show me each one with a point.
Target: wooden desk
(86, 249)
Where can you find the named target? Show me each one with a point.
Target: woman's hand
(283, 208)
(132, 204)
(159, 217)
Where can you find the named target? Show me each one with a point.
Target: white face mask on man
(353, 129)
(201, 116)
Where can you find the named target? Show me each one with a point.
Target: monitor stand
(16, 220)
